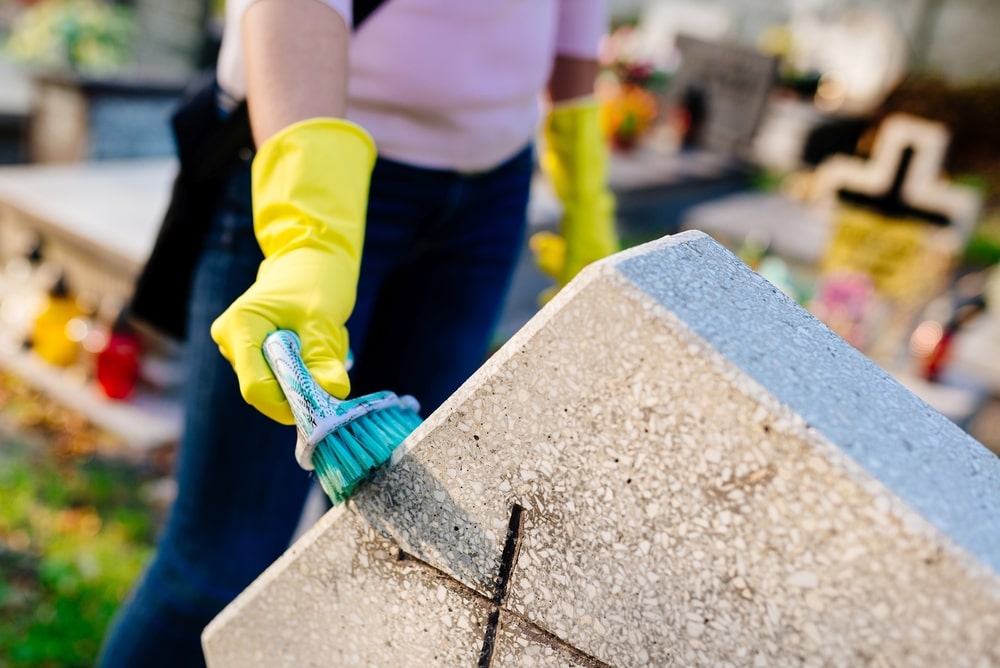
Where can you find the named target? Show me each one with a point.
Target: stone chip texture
(707, 476)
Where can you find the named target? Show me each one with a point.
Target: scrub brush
(343, 441)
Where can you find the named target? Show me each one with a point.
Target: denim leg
(440, 251)
(240, 491)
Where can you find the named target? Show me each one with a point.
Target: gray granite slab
(667, 466)
(346, 597)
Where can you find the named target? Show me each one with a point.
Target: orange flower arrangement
(626, 114)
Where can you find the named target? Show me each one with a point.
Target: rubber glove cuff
(575, 160)
(310, 191)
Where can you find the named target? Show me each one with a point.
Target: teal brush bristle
(349, 455)
(344, 441)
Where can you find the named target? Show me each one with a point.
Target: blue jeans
(440, 249)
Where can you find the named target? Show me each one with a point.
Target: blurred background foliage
(76, 527)
(85, 36)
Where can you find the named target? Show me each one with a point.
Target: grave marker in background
(731, 84)
(899, 226)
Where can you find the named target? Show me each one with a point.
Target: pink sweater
(448, 83)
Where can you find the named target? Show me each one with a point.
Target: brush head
(352, 451)
(344, 441)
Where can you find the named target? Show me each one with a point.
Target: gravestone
(671, 464)
(898, 228)
(924, 186)
(125, 115)
(82, 119)
(731, 84)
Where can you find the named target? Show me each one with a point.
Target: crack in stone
(508, 563)
(508, 560)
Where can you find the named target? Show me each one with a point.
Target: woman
(409, 247)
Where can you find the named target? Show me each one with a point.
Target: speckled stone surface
(672, 464)
(343, 596)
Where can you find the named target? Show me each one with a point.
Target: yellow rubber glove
(310, 194)
(575, 159)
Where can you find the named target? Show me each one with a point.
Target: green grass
(75, 531)
(983, 248)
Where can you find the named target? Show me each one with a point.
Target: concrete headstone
(897, 230)
(924, 187)
(733, 84)
(671, 464)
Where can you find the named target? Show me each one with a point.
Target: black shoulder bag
(208, 145)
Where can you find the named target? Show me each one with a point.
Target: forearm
(296, 62)
(309, 185)
(571, 78)
(574, 157)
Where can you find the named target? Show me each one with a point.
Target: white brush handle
(316, 413)
(309, 402)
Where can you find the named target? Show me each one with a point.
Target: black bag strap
(231, 137)
(363, 9)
